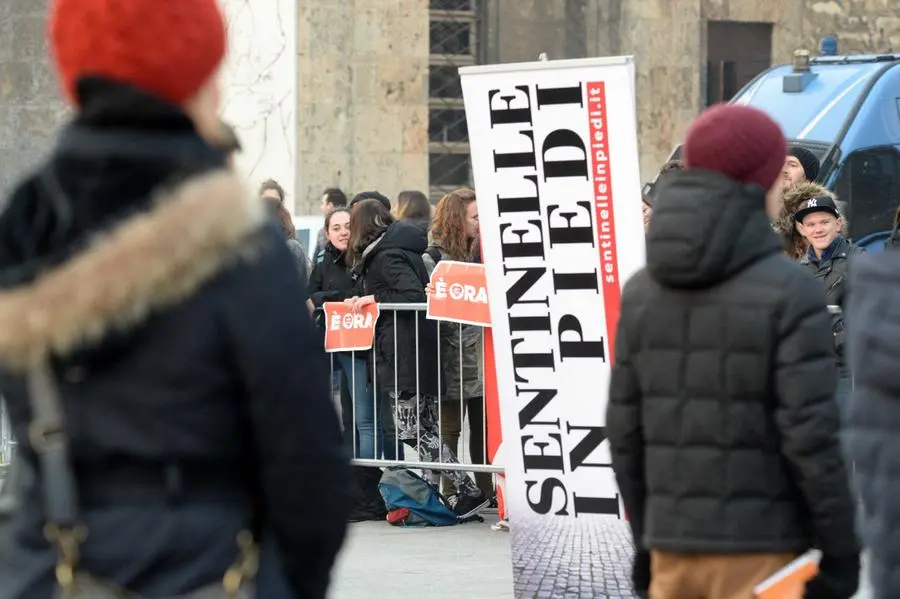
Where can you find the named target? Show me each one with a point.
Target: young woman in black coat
(332, 281)
(388, 257)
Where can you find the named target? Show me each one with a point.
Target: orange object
(790, 581)
(460, 293)
(349, 331)
(492, 416)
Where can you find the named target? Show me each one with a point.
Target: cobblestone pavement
(553, 560)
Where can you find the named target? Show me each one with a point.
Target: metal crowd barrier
(387, 413)
(388, 450)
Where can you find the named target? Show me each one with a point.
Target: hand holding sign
(358, 303)
(350, 326)
(458, 293)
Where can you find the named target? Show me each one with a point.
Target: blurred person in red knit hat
(150, 337)
(722, 420)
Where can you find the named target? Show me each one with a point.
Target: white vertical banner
(555, 162)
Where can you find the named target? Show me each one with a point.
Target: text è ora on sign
(459, 293)
(346, 330)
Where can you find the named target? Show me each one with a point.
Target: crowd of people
(422, 377)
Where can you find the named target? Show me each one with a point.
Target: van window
(870, 182)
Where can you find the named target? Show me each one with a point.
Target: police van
(846, 110)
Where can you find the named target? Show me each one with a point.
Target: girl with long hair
(454, 236)
(332, 281)
(387, 254)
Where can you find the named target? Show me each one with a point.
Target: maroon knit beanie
(738, 141)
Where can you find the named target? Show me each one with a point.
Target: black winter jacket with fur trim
(170, 311)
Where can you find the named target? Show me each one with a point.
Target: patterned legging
(417, 426)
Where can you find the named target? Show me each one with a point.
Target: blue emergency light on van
(846, 110)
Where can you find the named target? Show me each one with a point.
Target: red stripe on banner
(491, 396)
(603, 204)
(492, 409)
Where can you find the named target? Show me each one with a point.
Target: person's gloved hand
(640, 573)
(838, 578)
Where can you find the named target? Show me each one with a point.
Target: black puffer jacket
(873, 344)
(393, 271)
(722, 421)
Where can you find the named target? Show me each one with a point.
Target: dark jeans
(359, 403)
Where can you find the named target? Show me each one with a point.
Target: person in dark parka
(828, 258)
(873, 414)
(722, 422)
(143, 271)
(333, 281)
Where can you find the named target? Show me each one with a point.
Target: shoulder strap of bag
(47, 434)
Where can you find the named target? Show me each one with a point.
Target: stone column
(30, 105)
(666, 41)
(363, 97)
(260, 89)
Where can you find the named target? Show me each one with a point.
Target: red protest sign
(460, 293)
(349, 331)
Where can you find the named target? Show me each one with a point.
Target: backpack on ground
(413, 501)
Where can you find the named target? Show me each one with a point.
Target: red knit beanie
(738, 141)
(167, 47)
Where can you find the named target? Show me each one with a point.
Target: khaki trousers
(709, 576)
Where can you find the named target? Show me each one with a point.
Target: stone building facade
(379, 107)
(361, 93)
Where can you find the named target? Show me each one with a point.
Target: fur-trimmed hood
(145, 263)
(793, 197)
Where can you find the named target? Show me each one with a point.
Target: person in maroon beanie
(722, 420)
(142, 281)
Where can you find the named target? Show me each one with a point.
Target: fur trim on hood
(146, 263)
(793, 197)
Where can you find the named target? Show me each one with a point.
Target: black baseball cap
(819, 204)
